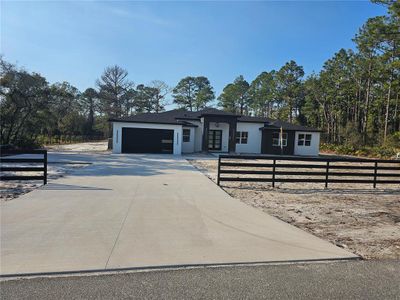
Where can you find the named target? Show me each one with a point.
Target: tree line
(354, 99)
(31, 108)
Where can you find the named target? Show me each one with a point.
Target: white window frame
(242, 137)
(276, 142)
(304, 139)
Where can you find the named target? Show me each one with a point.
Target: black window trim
(284, 139)
(304, 139)
(185, 137)
(242, 137)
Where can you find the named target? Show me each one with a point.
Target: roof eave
(291, 129)
(147, 122)
(259, 122)
(219, 115)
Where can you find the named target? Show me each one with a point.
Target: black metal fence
(326, 170)
(23, 164)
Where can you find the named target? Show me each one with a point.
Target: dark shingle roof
(216, 112)
(168, 117)
(287, 126)
(183, 117)
(250, 119)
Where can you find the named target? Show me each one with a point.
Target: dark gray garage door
(144, 140)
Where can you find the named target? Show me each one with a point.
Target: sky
(75, 40)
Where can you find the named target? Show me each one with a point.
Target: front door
(214, 140)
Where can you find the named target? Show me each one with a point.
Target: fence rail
(326, 170)
(15, 159)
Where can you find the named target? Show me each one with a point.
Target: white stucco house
(211, 130)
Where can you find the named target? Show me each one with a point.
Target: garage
(146, 140)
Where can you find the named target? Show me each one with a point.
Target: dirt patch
(80, 147)
(364, 220)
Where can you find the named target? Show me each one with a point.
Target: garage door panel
(167, 141)
(146, 140)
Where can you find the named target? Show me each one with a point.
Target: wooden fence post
(45, 167)
(327, 174)
(375, 173)
(219, 169)
(273, 173)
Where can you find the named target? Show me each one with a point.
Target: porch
(219, 133)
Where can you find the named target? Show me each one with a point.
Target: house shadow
(108, 164)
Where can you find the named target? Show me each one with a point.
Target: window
(244, 137)
(276, 139)
(308, 140)
(186, 135)
(241, 137)
(237, 137)
(304, 140)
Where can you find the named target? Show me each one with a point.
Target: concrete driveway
(127, 211)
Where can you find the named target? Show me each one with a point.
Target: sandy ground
(12, 189)
(80, 147)
(356, 217)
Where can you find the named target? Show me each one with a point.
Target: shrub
(393, 140)
(364, 151)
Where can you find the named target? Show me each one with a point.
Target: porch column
(232, 135)
(206, 127)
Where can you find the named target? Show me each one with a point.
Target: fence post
(327, 174)
(375, 173)
(219, 169)
(45, 167)
(273, 173)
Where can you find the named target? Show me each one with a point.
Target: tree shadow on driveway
(70, 187)
(130, 165)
